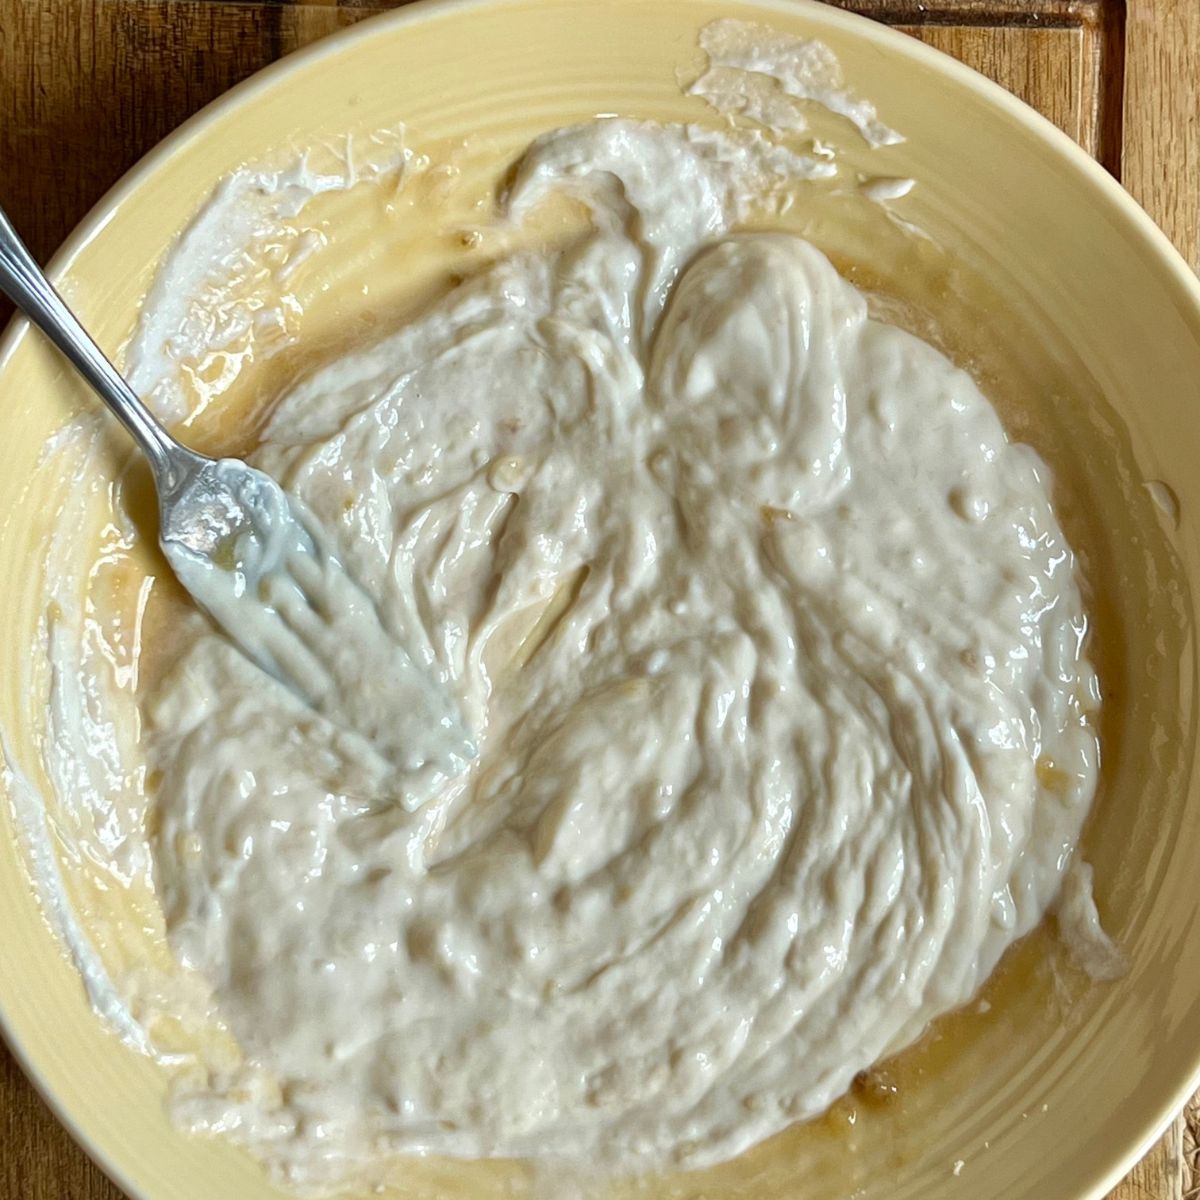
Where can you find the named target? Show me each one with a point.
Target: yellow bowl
(1039, 273)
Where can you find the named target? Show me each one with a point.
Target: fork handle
(23, 282)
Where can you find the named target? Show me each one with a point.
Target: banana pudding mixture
(772, 651)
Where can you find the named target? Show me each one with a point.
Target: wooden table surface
(88, 86)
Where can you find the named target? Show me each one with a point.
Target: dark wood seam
(1110, 72)
(999, 14)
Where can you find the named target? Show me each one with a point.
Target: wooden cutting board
(88, 86)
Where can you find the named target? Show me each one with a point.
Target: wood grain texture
(1049, 67)
(1161, 158)
(38, 1159)
(1190, 1184)
(1028, 14)
(88, 86)
(1160, 1174)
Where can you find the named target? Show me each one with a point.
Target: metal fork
(259, 563)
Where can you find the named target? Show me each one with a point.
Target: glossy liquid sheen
(773, 648)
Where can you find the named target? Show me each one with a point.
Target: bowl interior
(1037, 274)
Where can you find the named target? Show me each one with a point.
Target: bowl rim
(1150, 241)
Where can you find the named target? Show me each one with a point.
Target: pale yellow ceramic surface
(1042, 277)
